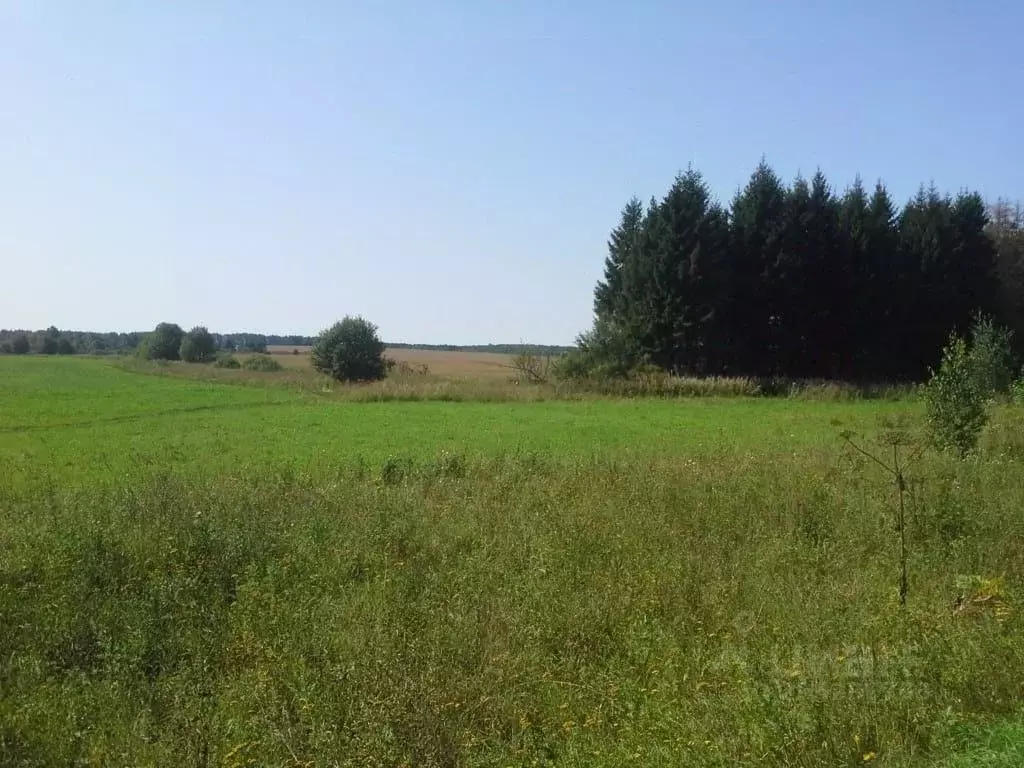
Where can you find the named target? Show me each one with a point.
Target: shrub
(991, 356)
(226, 360)
(163, 343)
(65, 347)
(197, 346)
(20, 344)
(350, 351)
(1017, 389)
(48, 345)
(604, 352)
(571, 365)
(532, 367)
(6, 348)
(955, 404)
(262, 363)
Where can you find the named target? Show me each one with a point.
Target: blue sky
(450, 170)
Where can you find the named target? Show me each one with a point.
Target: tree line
(53, 341)
(797, 280)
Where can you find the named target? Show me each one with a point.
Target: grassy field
(196, 573)
(75, 421)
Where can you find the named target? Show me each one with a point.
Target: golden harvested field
(486, 365)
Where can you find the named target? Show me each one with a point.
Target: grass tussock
(1003, 436)
(512, 611)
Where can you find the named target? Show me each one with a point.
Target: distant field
(485, 365)
(284, 349)
(203, 573)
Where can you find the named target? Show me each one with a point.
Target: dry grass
(286, 357)
(476, 365)
(490, 381)
(483, 365)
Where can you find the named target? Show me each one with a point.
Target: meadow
(236, 572)
(79, 421)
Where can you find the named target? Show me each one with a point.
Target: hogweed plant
(899, 450)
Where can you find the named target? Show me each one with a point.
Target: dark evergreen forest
(798, 280)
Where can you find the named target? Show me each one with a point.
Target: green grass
(58, 392)
(1000, 747)
(81, 420)
(286, 580)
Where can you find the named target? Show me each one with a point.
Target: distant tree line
(289, 341)
(796, 280)
(53, 341)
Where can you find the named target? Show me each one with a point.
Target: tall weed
(735, 610)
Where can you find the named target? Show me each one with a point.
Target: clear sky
(448, 169)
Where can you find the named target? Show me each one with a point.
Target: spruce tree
(622, 244)
(973, 260)
(689, 265)
(883, 294)
(927, 240)
(823, 307)
(637, 314)
(792, 273)
(758, 219)
(672, 284)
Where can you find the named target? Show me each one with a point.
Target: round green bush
(197, 346)
(350, 350)
(164, 342)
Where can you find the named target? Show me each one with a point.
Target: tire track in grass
(141, 416)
